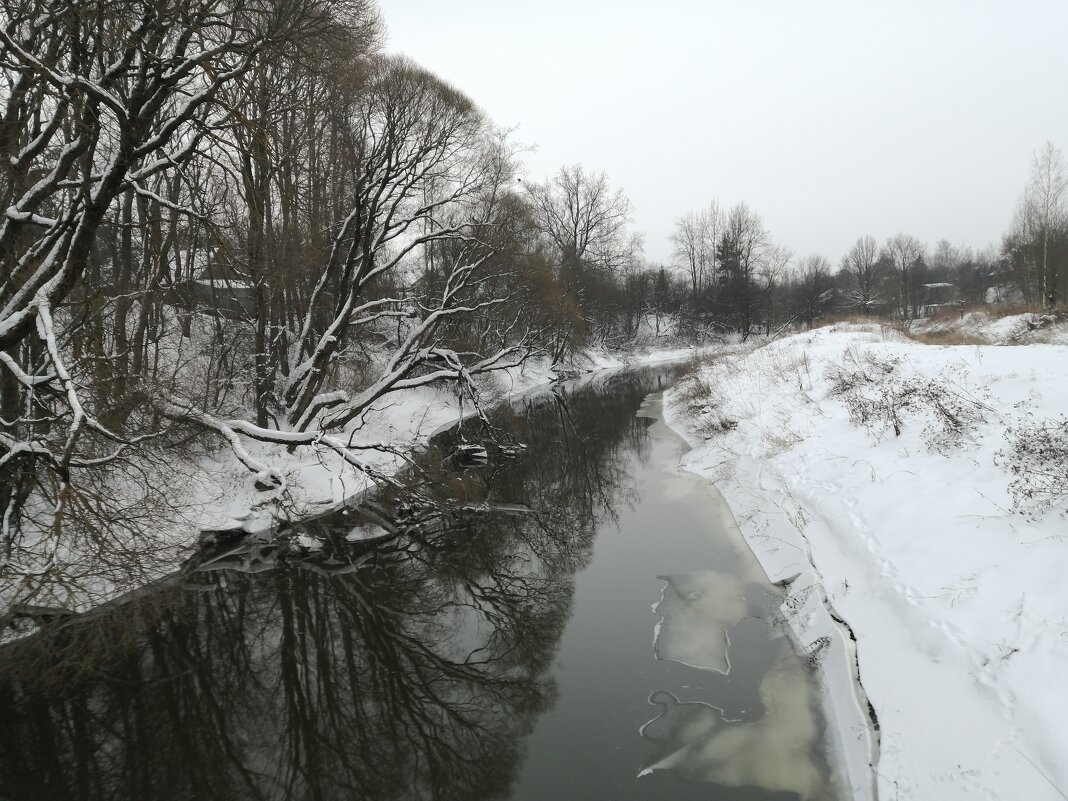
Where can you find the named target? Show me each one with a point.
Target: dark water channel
(495, 653)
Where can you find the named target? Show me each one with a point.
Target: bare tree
(134, 131)
(686, 242)
(861, 265)
(1044, 201)
(285, 107)
(422, 163)
(905, 253)
(946, 257)
(814, 291)
(694, 245)
(772, 269)
(429, 174)
(742, 245)
(585, 222)
(102, 103)
(585, 219)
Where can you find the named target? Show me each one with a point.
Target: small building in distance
(938, 296)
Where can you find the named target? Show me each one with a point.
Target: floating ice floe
(696, 610)
(773, 753)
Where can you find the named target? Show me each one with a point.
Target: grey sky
(832, 119)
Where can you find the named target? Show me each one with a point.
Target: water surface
(510, 651)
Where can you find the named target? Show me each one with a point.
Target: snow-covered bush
(702, 396)
(864, 382)
(857, 369)
(1037, 457)
(879, 397)
(951, 414)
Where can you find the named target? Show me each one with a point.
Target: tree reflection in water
(411, 672)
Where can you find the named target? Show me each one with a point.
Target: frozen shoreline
(910, 539)
(405, 422)
(845, 704)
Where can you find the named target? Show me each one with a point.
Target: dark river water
(589, 628)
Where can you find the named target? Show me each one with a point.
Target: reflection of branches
(297, 687)
(404, 672)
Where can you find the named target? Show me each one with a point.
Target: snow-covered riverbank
(874, 476)
(318, 480)
(215, 491)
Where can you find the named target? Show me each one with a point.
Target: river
(592, 626)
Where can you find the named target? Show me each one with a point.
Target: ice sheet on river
(774, 753)
(696, 610)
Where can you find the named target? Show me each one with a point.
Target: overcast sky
(831, 119)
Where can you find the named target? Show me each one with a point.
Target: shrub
(1037, 457)
(703, 398)
(876, 397)
(858, 369)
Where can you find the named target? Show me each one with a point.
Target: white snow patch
(309, 543)
(957, 601)
(994, 329)
(365, 531)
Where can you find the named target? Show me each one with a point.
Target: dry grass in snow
(924, 489)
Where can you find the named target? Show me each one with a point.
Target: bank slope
(897, 487)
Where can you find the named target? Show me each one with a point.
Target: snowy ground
(981, 327)
(911, 538)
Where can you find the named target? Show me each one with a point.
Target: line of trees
(239, 222)
(732, 277)
(1036, 247)
(729, 275)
